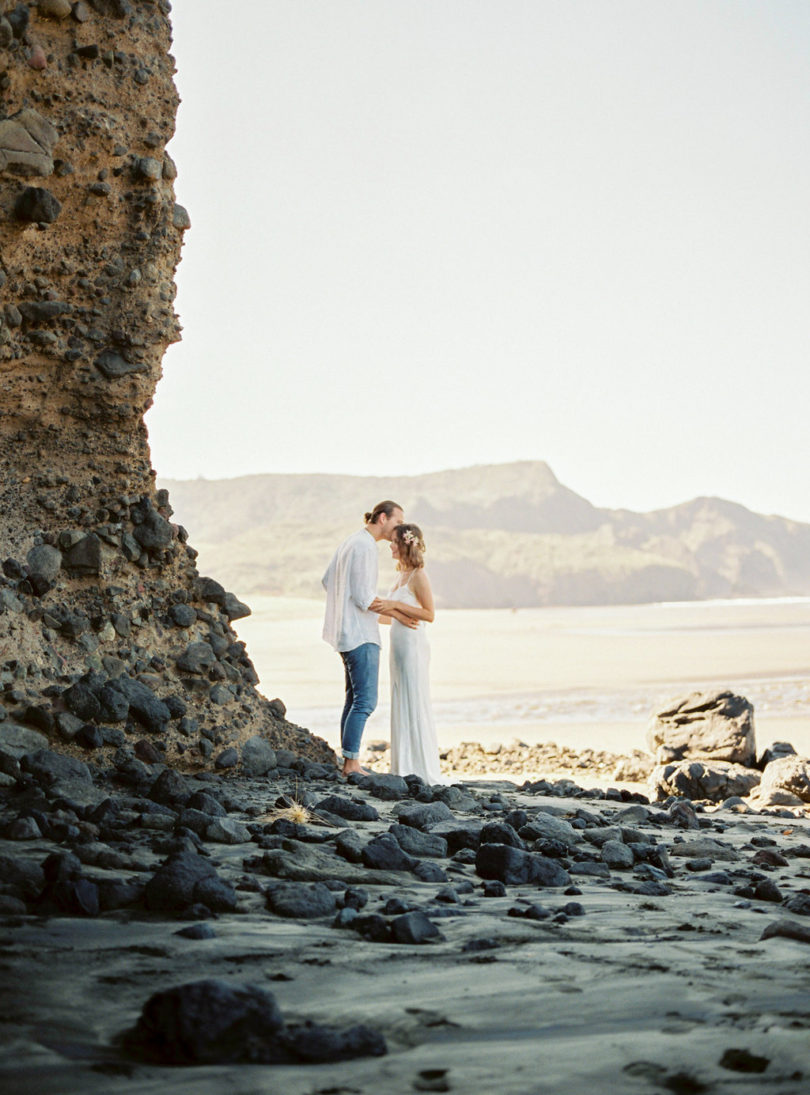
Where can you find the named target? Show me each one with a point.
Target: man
(351, 586)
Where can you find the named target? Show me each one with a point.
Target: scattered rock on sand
(712, 726)
(789, 774)
(513, 866)
(214, 1022)
(701, 779)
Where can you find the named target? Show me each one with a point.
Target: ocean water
(583, 677)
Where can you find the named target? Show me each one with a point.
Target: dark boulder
(173, 887)
(500, 832)
(170, 788)
(48, 767)
(413, 927)
(210, 1022)
(417, 843)
(214, 1022)
(513, 866)
(424, 815)
(151, 713)
(383, 853)
(347, 808)
(301, 901)
(258, 757)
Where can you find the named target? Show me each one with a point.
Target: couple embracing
(351, 625)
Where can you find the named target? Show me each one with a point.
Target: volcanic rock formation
(107, 632)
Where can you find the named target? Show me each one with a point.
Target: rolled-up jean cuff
(350, 756)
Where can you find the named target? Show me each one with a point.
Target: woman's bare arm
(420, 584)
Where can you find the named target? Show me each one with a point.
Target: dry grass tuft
(292, 809)
(296, 812)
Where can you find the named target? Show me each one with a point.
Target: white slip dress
(414, 745)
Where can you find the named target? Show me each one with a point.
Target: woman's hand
(383, 607)
(406, 621)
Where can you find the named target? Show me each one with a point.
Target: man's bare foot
(350, 764)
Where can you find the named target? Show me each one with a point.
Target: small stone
(197, 931)
(384, 854)
(18, 18)
(44, 561)
(180, 218)
(347, 808)
(301, 901)
(417, 843)
(234, 608)
(55, 9)
(198, 657)
(182, 615)
(23, 828)
(742, 1060)
(413, 927)
(90, 737)
(172, 887)
(150, 711)
(85, 557)
(37, 59)
(114, 365)
(39, 311)
(228, 758)
(149, 168)
(618, 855)
(224, 830)
(514, 866)
(37, 206)
(81, 12)
(429, 872)
(258, 757)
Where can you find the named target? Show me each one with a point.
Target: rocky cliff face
(107, 632)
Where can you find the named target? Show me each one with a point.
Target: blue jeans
(362, 668)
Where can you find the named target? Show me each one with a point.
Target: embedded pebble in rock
(56, 9)
(257, 757)
(37, 60)
(37, 204)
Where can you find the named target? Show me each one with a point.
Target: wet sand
(641, 986)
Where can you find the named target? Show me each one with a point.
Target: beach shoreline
(581, 677)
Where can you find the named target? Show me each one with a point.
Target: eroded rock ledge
(108, 635)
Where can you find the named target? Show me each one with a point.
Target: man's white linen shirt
(351, 585)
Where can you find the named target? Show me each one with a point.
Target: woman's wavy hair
(411, 546)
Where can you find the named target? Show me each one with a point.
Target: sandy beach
(582, 677)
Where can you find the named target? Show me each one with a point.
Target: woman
(414, 746)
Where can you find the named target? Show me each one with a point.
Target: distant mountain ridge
(503, 535)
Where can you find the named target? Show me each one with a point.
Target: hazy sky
(435, 233)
